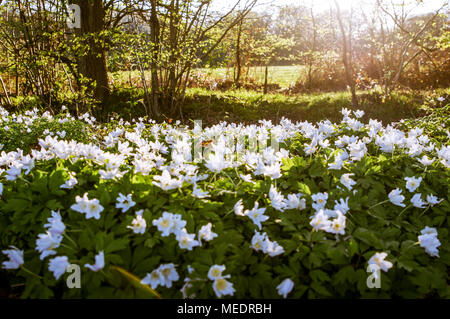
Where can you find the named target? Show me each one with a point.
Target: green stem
(385, 201)
(229, 177)
(66, 246)
(425, 210)
(404, 210)
(74, 230)
(71, 240)
(23, 179)
(30, 272)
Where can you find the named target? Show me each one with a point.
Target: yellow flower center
(155, 275)
(221, 284)
(165, 223)
(215, 272)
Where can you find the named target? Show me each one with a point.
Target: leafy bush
(272, 237)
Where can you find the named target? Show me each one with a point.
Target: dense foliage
(142, 217)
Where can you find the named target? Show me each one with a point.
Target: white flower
(429, 231)
(239, 208)
(215, 272)
(55, 224)
(216, 163)
(357, 150)
(259, 241)
(378, 260)
(320, 220)
(178, 224)
(273, 249)
(165, 182)
(433, 200)
(15, 258)
(277, 200)
(13, 172)
(99, 262)
(186, 241)
(396, 198)
(58, 266)
(320, 200)
(412, 183)
(223, 287)
(94, 209)
(425, 161)
(46, 243)
(81, 203)
(205, 233)
(429, 241)
(342, 205)
(168, 274)
(185, 289)
(339, 160)
(294, 201)
(165, 224)
(197, 192)
(257, 215)
(91, 207)
(110, 173)
(347, 181)
(358, 114)
(153, 279)
(246, 178)
(125, 202)
(1, 189)
(417, 201)
(69, 184)
(138, 225)
(285, 287)
(337, 225)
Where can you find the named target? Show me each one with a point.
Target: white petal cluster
(261, 242)
(163, 276)
(429, 241)
(221, 286)
(90, 207)
(52, 238)
(15, 256)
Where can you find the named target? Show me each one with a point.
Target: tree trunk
(238, 55)
(265, 79)
(154, 34)
(313, 49)
(92, 65)
(347, 62)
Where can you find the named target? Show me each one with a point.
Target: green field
(284, 76)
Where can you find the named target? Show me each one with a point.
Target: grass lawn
(250, 106)
(282, 75)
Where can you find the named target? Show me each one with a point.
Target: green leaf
(303, 188)
(368, 237)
